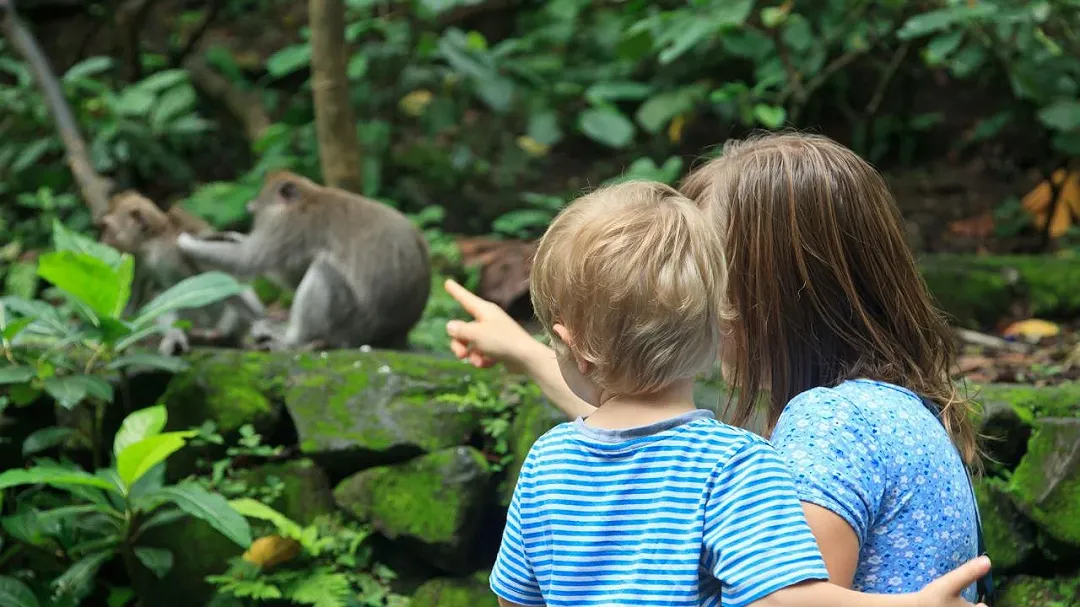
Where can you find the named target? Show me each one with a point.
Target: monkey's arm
(236, 258)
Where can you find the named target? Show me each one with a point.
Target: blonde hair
(635, 273)
(821, 279)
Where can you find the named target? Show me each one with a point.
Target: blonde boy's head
(635, 274)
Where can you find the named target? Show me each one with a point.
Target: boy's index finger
(472, 304)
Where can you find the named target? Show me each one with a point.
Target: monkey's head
(282, 191)
(132, 220)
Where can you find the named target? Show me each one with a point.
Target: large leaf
(655, 113)
(934, 21)
(255, 509)
(138, 458)
(161, 81)
(210, 507)
(103, 289)
(194, 292)
(78, 580)
(139, 425)
(157, 560)
(91, 66)
(52, 476)
(16, 374)
(69, 240)
(607, 126)
(600, 92)
(45, 438)
(289, 60)
(14, 593)
(70, 390)
(1061, 115)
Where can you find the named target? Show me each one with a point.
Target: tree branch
(886, 79)
(244, 105)
(95, 189)
(335, 122)
(177, 58)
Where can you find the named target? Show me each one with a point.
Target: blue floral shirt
(873, 454)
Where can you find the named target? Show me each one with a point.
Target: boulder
(456, 592)
(1009, 537)
(1046, 484)
(198, 550)
(306, 493)
(434, 502)
(978, 291)
(532, 418)
(1028, 591)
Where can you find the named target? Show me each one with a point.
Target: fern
(321, 589)
(254, 589)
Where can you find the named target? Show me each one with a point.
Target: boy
(650, 501)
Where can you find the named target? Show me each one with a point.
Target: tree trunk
(95, 189)
(335, 123)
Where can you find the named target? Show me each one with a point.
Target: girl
(837, 336)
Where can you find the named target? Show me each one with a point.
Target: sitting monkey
(360, 269)
(137, 226)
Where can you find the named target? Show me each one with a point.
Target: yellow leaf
(531, 146)
(271, 551)
(675, 129)
(1032, 329)
(1037, 202)
(416, 102)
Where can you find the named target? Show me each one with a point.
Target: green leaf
(602, 92)
(193, 292)
(157, 560)
(770, 116)
(13, 329)
(31, 153)
(162, 80)
(544, 128)
(138, 458)
(210, 507)
(89, 280)
(1068, 143)
(357, 68)
(134, 102)
(45, 438)
(16, 374)
(78, 580)
(70, 390)
(139, 425)
(288, 60)
(772, 16)
(120, 596)
(172, 103)
(658, 111)
(934, 21)
(940, 48)
(86, 68)
(160, 362)
(321, 589)
(1061, 115)
(52, 476)
(606, 126)
(69, 240)
(495, 91)
(14, 593)
(255, 509)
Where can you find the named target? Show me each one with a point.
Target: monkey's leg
(174, 340)
(322, 308)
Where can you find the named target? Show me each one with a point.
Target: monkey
(135, 225)
(360, 269)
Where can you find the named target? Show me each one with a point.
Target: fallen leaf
(1038, 201)
(968, 363)
(980, 226)
(675, 129)
(531, 146)
(272, 550)
(1032, 329)
(416, 102)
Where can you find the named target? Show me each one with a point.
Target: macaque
(360, 269)
(137, 226)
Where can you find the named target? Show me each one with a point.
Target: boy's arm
(942, 592)
(512, 576)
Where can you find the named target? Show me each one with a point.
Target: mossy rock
(532, 419)
(434, 502)
(978, 291)
(456, 592)
(230, 387)
(1028, 591)
(1031, 402)
(1046, 484)
(354, 409)
(1008, 535)
(198, 551)
(306, 494)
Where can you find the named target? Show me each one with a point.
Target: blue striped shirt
(689, 511)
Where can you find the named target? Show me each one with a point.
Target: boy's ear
(563, 334)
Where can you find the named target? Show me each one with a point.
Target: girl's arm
(942, 592)
(494, 337)
(838, 543)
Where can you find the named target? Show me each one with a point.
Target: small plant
(325, 564)
(96, 517)
(249, 448)
(495, 411)
(72, 351)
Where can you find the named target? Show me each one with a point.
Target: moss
(532, 418)
(198, 551)
(436, 500)
(455, 592)
(1030, 402)
(1007, 535)
(306, 492)
(979, 291)
(230, 387)
(1028, 591)
(1046, 484)
(378, 401)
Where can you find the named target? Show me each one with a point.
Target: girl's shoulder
(856, 406)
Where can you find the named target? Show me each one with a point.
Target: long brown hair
(821, 280)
